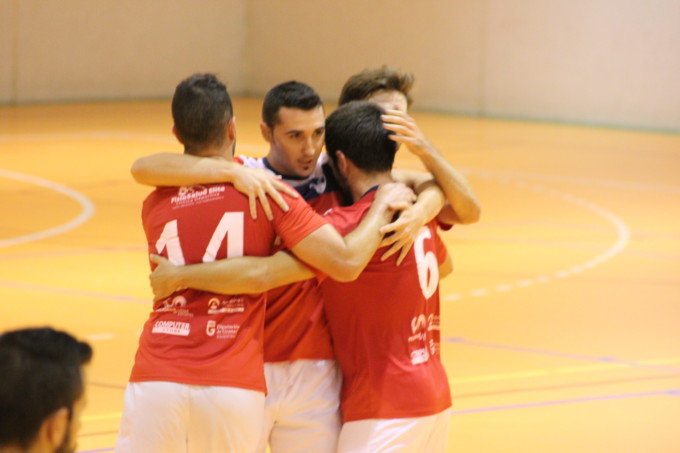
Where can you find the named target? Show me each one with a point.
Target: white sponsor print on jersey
(232, 305)
(178, 328)
(176, 305)
(419, 356)
(433, 322)
(420, 343)
(210, 327)
(417, 342)
(192, 195)
(221, 331)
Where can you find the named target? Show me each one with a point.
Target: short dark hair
(363, 84)
(357, 130)
(201, 110)
(40, 372)
(291, 94)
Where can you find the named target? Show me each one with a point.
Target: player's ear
(176, 133)
(342, 162)
(55, 426)
(266, 132)
(231, 128)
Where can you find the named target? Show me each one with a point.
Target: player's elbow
(341, 275)
(348, 275)
(446, 268)
(346, 270)
(257, 280)
(472, 214)
(465, 212)
(254, 284)
(139, 171)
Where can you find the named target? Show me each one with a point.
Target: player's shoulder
(250, 162)
(346, 218)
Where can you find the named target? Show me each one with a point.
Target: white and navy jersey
(321, 181)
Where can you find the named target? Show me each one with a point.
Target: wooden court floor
(561, 322)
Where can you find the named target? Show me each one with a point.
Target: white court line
(86, 213)
(623, 233)
(622, 239)
(88, 206)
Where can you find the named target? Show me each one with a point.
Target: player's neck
(226, 151)
(361, 183)
(273, 163)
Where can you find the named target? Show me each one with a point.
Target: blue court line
(614, 360)
(669, 392)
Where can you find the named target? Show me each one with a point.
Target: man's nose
(310, 149)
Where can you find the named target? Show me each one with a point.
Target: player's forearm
(340, 258)
(431, 200)
(283, 268)
(243, 275)
(170, 169)
(222, 277)
(459, 194)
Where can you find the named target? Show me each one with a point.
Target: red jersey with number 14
(385, 328)
(201, 338)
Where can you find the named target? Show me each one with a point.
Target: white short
(302, 408)
(165, 417)
(404, 435)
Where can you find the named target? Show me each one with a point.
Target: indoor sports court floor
(561, 322)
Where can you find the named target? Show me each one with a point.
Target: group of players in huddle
(296, 295)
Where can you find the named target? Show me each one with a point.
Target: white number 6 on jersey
(428, 268)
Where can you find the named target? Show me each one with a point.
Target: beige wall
(598, 61)
(112, 49)
(7, 60)
(440, 41)
(611, 62)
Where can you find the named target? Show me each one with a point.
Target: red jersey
(295, 326)
(385, 328)
(196, 337)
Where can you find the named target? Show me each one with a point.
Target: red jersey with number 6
(385, 328)
(201, 338)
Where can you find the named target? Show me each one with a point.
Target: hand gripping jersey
(385, 328)
(295, 325)
(196, 337)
